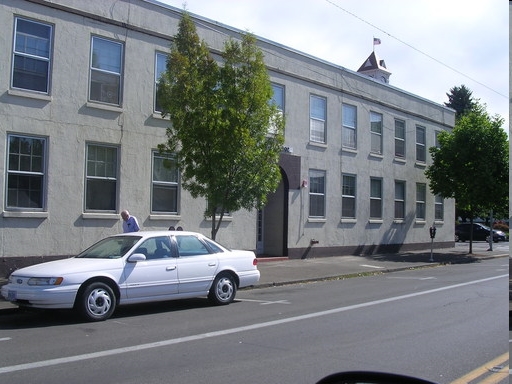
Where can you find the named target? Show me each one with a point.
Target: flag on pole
(376, 41)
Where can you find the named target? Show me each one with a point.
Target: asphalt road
(436, 323)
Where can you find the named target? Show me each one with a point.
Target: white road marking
(246, 328)
(5, 339)
(266, 302)
(412, 278)
(371, 266)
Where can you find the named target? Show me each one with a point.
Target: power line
(416, 49)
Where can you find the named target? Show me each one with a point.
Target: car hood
(68, 266)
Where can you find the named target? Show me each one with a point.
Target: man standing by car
(130, 223)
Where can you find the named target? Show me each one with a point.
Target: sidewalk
(281, 270)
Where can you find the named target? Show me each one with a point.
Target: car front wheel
(96, 302)
(223, 289)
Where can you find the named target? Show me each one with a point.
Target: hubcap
(99, 302)
(224, 289)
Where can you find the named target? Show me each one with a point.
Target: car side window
(190, 246)
(155, 248)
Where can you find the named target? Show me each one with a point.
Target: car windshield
(110, 248)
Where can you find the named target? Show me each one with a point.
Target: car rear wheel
(96, 302)
(223, 289)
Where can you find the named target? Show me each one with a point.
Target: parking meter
(432, 232)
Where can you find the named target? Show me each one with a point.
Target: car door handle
(171, 268)
(212, 264)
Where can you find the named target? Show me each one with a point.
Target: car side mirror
(136, 257)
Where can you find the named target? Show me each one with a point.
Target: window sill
(164, 217)
(158, 116)
(398, 221)
(420, 221)
(29, 94)
(421, 164)
(400, 160)
(376, 221)
(318, 144)
(105, 107)
(101, 216)
(350, 150)
(224, 219)
(316, 220)
(348, 221)
(376, 155)
(25, 214)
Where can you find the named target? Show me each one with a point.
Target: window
(160, 67)
(31, 55)
(375, 198)
(190, 246)
(349, 129)
(26, 176)
(156, 248)
(421, 148)
(421, 198)
(164, 184)
(400, 200)
(106, 71)
(400, 138)
(317, 118)
(101, 178)
(439, 208)
(376, 133)
(316, 193)
(278, 96)
(348, 196)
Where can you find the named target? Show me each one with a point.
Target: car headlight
(45, 281)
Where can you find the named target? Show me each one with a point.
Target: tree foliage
(225, 133)
(461, 99)
(471, 164)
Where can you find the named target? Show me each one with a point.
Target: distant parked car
(133, 268)
(480, 233)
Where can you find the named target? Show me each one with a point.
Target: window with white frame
(375, 198)
(349, 129)
(317, 118)
(421, 200)
(399, 138)
(106, 71)
(277, 100)
(376, 133)
(348, 196)
(399, 199)
(165, 183)
(439, 208)
(160, 67)
(32, 53)
(101, 178)
(421, 147)
(317, 193)
(26, 172)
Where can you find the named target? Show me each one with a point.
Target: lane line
(207, 335)
(497, 375)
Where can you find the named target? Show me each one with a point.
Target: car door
(157, 276)
(197, 266)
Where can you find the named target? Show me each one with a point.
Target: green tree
(225, 133)
(471, 164)
(460, 99)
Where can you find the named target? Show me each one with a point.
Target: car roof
(146, 234)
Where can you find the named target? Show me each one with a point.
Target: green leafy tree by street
(461, 99)
(225, 133)
(471, 164)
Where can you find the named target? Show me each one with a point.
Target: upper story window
(400, 138)
(160, 67)
(317, 118)
(101, 178)
(349, 129)
(348, 196)
(399, 199)
(106, 71)
(164, 184)
(439, 208)
(376, 133)
(375, 198)
(31, 55)
(421, 200)
(316, 194)
(278, 96)
(421, 147)
(26, 172)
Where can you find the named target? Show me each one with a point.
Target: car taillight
(255, 261)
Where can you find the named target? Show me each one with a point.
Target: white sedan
(133, 268)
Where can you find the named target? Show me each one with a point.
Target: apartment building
(80, 126)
